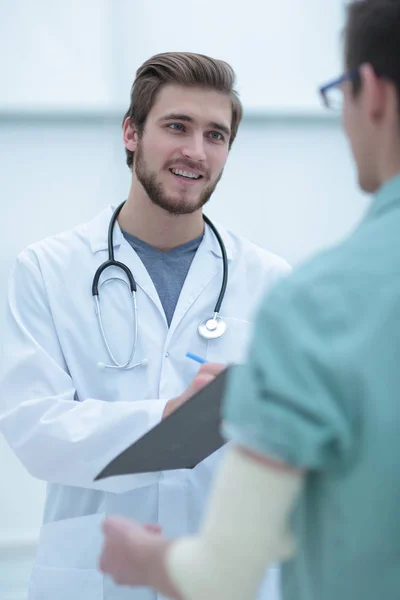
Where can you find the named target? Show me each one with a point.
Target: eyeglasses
(332, 93)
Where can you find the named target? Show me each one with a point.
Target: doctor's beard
(154, 189)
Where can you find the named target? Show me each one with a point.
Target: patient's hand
(134, 555)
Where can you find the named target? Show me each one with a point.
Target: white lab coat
(65, 419)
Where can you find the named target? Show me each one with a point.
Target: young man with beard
(65, 417)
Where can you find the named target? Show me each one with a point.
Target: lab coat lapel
(98, 236)
(127, 255)
(206, 266)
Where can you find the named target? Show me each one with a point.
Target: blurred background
(66, 69)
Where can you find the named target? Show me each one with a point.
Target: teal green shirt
(321, 391)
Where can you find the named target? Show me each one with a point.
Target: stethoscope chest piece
(213, 328)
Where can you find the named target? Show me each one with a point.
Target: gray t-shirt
(168, 270)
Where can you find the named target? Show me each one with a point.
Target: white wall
(65, 73)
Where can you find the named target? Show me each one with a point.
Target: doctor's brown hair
(372, 35)
(180, 68)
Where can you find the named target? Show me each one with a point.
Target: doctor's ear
(130, 135)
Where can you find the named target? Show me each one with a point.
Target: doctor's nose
(195, 149)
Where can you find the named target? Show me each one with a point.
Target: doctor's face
(181, 154)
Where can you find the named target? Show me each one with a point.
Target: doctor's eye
(176, 127)
(215, 135)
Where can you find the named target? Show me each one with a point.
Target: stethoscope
(209, 329)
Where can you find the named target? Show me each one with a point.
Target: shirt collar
(98, 231)
(387, 195)
(98, 235)
(212, 242)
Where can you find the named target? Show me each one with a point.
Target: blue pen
(196, 358)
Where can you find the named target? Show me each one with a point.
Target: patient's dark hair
(372, 35)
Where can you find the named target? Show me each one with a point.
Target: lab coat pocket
(71, 543)
(49, 583)
(66, 565)
(231, 347)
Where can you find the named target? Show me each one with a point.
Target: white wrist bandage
(244, 530)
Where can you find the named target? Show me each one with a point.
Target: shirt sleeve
(292, 400)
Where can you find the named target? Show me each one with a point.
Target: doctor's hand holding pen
(206, 374)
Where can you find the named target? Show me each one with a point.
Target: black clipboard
(181, 441)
